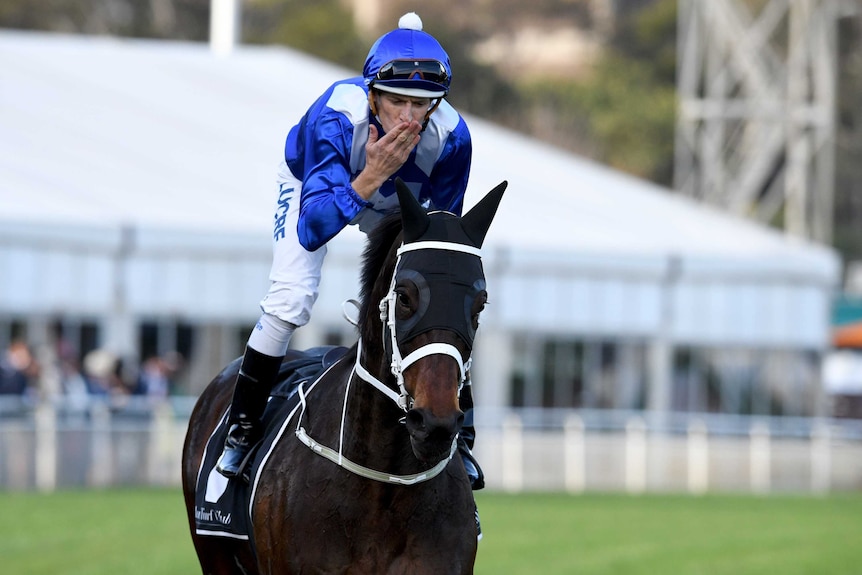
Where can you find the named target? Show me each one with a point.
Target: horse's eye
(405, 299)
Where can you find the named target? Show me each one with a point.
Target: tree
(848, 158)
(319, 27)
(623, 112)
(178, 19)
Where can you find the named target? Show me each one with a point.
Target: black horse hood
(470, 229)
(454, 276)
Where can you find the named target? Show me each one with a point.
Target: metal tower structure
(755, 128)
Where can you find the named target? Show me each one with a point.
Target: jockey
(340, 164)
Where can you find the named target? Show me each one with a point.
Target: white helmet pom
(410, 21)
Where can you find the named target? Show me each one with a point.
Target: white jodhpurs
(295, 272)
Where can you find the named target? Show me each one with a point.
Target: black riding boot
(467, 438)
(255, 380)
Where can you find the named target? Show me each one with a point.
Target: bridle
(398, 364)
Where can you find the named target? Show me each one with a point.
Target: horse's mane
(374, 258)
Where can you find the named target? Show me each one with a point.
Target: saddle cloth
(222, 504)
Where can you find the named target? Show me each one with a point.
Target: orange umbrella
(848, 335)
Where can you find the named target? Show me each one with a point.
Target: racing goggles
(428, 70)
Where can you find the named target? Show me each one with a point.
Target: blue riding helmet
(409, 62)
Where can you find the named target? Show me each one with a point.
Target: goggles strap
(431, 111)
(372, 103)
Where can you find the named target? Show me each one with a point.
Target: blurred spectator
(102, 373)
(156, 379)
(18, 369)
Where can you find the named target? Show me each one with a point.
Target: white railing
(54, 445)
(639, 452)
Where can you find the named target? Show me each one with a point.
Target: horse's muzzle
(431, 436)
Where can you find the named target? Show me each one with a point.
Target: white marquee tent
(136, 180)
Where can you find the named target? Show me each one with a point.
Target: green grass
(95, 533)
(133, 532)
(648, 535)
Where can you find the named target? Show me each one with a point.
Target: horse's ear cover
(414, 219)
(477, 221)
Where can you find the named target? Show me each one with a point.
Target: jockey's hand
(384, 156)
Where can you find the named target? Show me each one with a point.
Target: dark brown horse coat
(310, 515)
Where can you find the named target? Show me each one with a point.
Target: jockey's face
(393, 109)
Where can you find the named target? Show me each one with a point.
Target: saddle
(222, 505)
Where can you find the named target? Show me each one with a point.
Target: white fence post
(576, 456)
(161, 466)
(760, 463)
(698, 457)
(821, 458)
(101, 466)
(46, 447)
(636, 455)
(513, 454)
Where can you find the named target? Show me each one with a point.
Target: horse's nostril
(423, 425)
(415, 420)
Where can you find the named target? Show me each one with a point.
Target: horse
(367, 482)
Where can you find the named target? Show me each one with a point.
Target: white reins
(338, 457)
